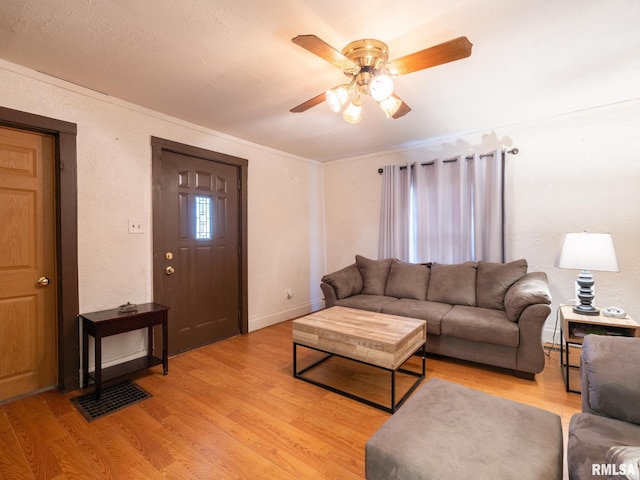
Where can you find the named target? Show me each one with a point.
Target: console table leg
(165, 344)
(85, 357)
(98, 365)
(150, 342)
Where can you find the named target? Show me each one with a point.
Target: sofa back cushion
(374, 274)
(407, 280)
(494, 279)
(453, 284)
(346, 282)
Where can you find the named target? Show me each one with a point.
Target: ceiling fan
(366, 63)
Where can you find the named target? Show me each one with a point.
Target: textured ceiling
(230, 65)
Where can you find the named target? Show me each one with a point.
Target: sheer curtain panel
(443, 211)
(488, 207)
(394, 237)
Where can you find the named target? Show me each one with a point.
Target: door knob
(43, 281)
(169, 270)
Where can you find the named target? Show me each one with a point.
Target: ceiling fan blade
(312, 102)
(327, 52)
(446, 52)
(402, 110)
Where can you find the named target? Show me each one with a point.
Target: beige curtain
(394, 240)
(443, 229)
(446, 211)
(488, 206)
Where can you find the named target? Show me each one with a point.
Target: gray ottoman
(447, 431)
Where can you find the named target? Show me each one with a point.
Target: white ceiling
(230, 65)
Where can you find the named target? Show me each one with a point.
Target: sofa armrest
(530, 355)
(330, 296)
(609, 375)
(531, 289)
(342, 284)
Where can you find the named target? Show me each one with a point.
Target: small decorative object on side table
(573, 328)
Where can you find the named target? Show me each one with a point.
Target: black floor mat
(112, 399)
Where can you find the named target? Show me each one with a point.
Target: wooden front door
(196, 215)
(28, 298)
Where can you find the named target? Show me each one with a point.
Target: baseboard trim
(551, 347)
(550, 334)
(256, 323)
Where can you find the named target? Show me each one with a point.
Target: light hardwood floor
(233, 411)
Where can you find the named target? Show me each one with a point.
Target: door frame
(65, 158)
(158, 146)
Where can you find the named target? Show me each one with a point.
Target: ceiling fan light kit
(366, 62)
(381, 87)
(337, 97)
(390, 106)
(352, 113)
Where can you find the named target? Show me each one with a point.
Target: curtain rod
(513, 151)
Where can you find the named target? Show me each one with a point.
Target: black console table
(111, 322)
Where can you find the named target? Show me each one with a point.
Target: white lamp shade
(587, 251)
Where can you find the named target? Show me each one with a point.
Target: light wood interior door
(28, 311)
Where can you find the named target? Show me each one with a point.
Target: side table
(574, 326)
(110, 322)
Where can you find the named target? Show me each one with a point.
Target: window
(203, 218)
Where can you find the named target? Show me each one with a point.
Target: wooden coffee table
(376, 339)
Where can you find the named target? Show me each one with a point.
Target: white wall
(574, 172)
(285, 201)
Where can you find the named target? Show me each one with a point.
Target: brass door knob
(169, 270)
(43, 281)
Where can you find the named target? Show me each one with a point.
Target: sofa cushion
(453, 284)
(607, 363)
(346, 282)
(529, 290)
(374, 274)
(407, 280)
(482, 325)
(591, 437)
(494, 279)
(431, 312)
(372, 303)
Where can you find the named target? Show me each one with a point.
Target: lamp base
(585, 295)
(586, 310)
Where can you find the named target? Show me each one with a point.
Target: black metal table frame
(565, 365)
(394, 406)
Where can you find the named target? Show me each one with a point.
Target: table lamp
(587, 251)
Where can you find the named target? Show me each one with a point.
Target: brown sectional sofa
(491, 313)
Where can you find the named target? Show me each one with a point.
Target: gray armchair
(604, 440)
